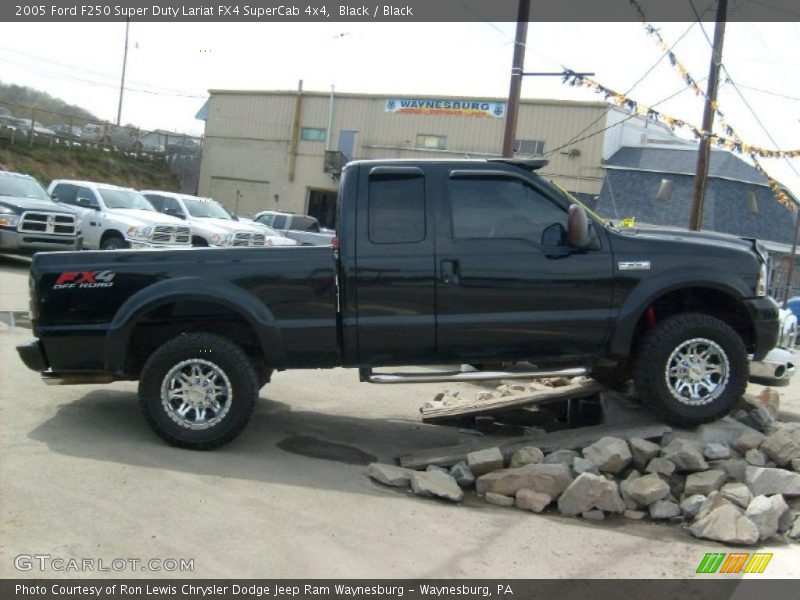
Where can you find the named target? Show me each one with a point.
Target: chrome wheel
(196, 394)
(697, 371)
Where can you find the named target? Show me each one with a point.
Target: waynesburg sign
(450, 108)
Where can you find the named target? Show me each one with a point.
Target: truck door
(395, 267)
(503, 290)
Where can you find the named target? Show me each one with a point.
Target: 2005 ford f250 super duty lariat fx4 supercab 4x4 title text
(437, 262)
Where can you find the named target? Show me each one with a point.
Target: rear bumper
(32, 354)
(766, 324)
(776, 368)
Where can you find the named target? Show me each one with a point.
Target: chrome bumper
(777, 366)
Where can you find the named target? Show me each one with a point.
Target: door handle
(450, 271)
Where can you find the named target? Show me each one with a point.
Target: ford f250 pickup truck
(474, 262)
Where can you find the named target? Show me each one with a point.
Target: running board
(366, 374)
(76, 378)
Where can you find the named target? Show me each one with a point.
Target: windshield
(125, 199)
(22, 187)
(205, 209)
(301, 223)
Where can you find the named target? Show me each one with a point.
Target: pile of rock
(735, 481)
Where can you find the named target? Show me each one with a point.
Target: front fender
(242, 302)
(660, 284)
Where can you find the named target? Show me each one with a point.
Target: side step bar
(366, 374)
(76, 378)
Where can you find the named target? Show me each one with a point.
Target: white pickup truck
(303, 228)
(211, 224)
(113, 217)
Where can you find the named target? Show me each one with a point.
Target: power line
(610, 108)
(769, 92)
(741, 96)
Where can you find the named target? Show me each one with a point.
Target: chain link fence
(37, 127)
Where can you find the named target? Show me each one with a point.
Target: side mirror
(54, 196)
(86, 203)
(578, 233)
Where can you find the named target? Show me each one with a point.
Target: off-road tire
(615, 378)
(653, 354)
(225, 355)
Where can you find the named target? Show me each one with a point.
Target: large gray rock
(726, 524)
(738, 493)
(724, 431)
(661, 466)
(765, 481)
(768, 398)
(765, 512)
(664, 509)
(549, 479)
(462, 474)
(794, 533)
(690, 505)
(686, 455)
(636, 515)
(436, 483)
(762, 418)
(532, 500)
(710, 504)
(785, 521)
(594, 515)
(629, 502)
(590, 491)
(529, 455)
(584, 465)
(643, 452)
(756, 458)
(390, 474)
(646, 489)
(715, 451)
(485, 461)
(499, 499)
(783, 444)
(610, 454)
(734, 467)
(560, 457)
(704, 482)
(796, 464)
(748, 440)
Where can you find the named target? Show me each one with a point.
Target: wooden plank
(571, 439)
(501, 403)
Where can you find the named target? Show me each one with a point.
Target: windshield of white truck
(205, 209)
(125, 199)
(22, 187)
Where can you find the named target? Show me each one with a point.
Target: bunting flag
(733, 141)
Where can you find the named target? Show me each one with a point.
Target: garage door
(240, 196)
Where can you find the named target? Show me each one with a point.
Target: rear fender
(238, 300)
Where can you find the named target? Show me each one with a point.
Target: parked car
(211, 224)
(114, 217)
(30, 221)
(438, 262)
(302, 228)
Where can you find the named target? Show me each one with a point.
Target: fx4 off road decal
(84, 280)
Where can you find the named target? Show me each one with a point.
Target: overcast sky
(172, 65)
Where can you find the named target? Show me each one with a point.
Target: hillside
(15, 96)
(47, 164)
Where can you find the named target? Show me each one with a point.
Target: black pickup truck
(477, 262)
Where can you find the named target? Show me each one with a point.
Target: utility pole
(124, 65)
(517, 66)
(696, 220)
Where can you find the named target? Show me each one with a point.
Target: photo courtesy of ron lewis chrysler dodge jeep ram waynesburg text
(436, 262)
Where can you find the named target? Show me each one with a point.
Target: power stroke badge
(84, 280)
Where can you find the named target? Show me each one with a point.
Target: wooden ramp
(475, 408)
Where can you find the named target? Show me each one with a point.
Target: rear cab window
(396, 206)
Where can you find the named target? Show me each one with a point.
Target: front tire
(198, 391)
(691, 369)
(113, 242)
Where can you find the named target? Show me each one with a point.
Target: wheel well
(707, 301)
(167, 321)
(110, 233)
(200, 241)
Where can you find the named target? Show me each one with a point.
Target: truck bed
(289, 292)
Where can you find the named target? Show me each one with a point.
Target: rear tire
(198, 391)
(691, 369)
